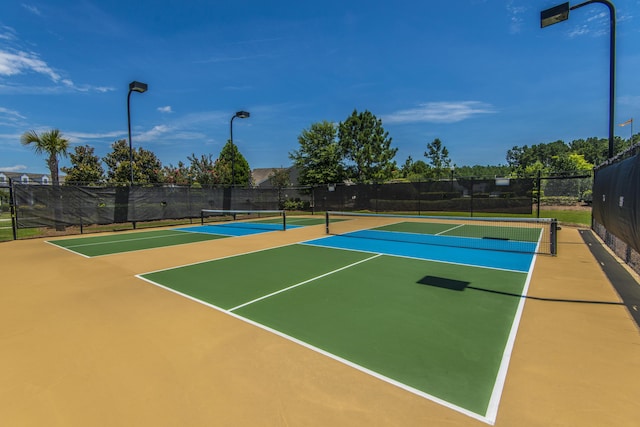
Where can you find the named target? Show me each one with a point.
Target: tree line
(357, 150)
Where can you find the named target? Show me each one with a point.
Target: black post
(326, 221)
(419, 196)
(13, 209)
(539, 186)
(129, 128)
(471, 205)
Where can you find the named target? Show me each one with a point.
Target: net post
(284, 221)
(326, 221)
(201, 217)
(554, 237)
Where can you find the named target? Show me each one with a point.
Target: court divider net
(530, 235)
(249, 218)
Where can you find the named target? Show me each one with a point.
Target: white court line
(120, 241)
(498, 386)
(325, 353)
(305, 282)
(66, 249)
(414, 257)
(491, 413)
(450, 229)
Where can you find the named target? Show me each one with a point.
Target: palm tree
(51, 143)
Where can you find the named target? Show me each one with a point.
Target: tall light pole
(133, 87)
(561, 13)
(240, 115)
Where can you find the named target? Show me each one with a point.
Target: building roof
(260, 176)
(34, 178)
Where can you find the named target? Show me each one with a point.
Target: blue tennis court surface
(236, 228)
(433, 248)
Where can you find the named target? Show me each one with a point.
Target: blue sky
(480, 75)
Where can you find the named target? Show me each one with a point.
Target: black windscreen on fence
(616, 200)
(68, 205)
(71, 205)
(458, 195)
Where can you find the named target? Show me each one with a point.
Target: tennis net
(530, 235)
(260, 219)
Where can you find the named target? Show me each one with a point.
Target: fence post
(12, 209)
(471, 204)
(419, 196)
(539, 185)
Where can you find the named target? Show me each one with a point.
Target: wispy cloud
(18, 89)
(11, 113)
(516, 20)
(166, 109)
(32, 9)
(15, 61)
(82, 137)
(595, 24)
(18, 62)
(7, 33)
(15, 168)
(11, 118)
(154, 133)
(440, 112)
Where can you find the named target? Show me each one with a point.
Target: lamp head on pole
(554, 15)
(137, 87)
(242, 114)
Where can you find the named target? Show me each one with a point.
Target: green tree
(4, 201)
(319, 159)
(147, 169)
(53, 145)
(367, 146)
(415, 170)
(570, 164)
(479, 171)
(438, 156)
(279, 178)
(178, 175)
(523, 159)
(203, 170)
(50, 143)
(85, 166)
(231, 161)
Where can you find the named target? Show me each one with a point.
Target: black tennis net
(267, 219)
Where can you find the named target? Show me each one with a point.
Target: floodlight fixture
(554, 15)
(138, 87)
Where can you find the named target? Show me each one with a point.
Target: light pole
(561, 13)
(240, 115)
(133, 87)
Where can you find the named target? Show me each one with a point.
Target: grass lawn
(573, 217)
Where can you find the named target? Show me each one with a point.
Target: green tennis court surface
(440, 330)
(91, 246)
(105, 245)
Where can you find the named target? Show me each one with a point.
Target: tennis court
(437, 322)
(345, 320)
(92, 246)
